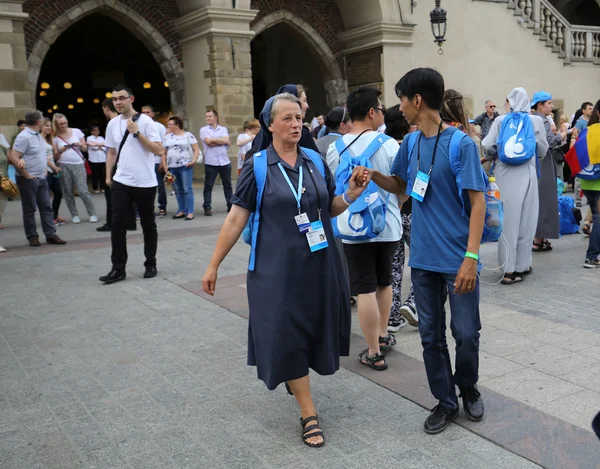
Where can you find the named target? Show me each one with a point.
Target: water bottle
(492, 188)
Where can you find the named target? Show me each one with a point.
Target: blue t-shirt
(440, 232)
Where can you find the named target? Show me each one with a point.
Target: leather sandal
(305, 431)
(386, 343)
(510, 279)
(364, 358)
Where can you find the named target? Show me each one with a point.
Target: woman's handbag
(86, 163)
(8, 187)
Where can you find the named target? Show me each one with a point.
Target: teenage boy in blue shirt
(444, 244)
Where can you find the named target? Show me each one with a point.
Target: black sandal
(305, 430)
(386, 343)
(178, 217)
(364, 358)
(512, 278)
(525, 272)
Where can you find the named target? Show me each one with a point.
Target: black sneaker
(150, 272)
(591, 263)
(472, 403)
(113, 276)
(104, 228)
(396, 323)
(439, 419)
(409, 312)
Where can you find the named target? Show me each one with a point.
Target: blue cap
(540, 97)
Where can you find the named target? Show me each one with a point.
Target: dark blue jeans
(209, 181)
(162, 193)
(593, 198)
(431, 290)
(184, 192)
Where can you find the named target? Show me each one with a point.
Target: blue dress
(299, 300)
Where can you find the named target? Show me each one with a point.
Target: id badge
(420, 187)
(303, 222)
(316, 237)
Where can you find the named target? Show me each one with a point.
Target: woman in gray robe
(548, 220)
(518, 186)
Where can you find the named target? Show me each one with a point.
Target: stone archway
(136, 24)
(335, 84)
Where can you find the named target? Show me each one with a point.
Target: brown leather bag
(8, 187)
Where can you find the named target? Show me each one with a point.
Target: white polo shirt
(136, 164)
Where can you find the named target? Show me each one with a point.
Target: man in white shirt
(160, 173)
(133, 181)
(215, 139)
(370, 261)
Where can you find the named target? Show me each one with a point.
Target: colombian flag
(586, 151)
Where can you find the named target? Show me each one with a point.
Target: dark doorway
(93, 55)
(281, 55)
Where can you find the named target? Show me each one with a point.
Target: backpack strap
(375, 145)
(260, 175)
(316, 159)
(410, 140)
(340, 146)
(454, 157)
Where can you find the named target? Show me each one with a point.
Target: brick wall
(159, 13)
(323, 15)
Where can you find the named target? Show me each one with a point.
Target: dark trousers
(593, 198)
(224, 172)
(109, 211)
(122, 199)
(35, 194)
(162, 193)
(98, 176)
(56, 189)
(431, 290)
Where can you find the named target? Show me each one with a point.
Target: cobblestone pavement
(146, 374)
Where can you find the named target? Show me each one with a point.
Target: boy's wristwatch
(136, 134)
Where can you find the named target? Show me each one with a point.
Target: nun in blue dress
(297, 291)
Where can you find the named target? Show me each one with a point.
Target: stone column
(15, 95)
(215, 43)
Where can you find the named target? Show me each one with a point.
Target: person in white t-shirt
(160, 172)
(244, 141)
(70, 144)
(97, 159)
(131, 149)
(370, 261)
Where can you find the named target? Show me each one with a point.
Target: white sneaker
(75, 220)
(408, 312)
(2, 249)
(93, 219)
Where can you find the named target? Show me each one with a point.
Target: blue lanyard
(335, 134)
(297, 193)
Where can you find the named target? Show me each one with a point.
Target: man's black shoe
(439, 419)
(103, 228)
(113, 276)
(472, 403)
(150, 272)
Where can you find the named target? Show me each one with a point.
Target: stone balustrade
(572, 43)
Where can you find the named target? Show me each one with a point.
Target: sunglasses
(492, 106)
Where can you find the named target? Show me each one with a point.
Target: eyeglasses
(381, 109)
(492, 106)
(120, 98)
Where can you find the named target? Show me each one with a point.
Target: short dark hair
(109, 104)
(335, 118)
(396, 125)
(539, 103)
(94, 127)
(360, 101)
(595, 114)
(214, 111)
(426, 82)
(178, 121)
(148, 106)
(585, 105)
(20, 122)
(122, 87)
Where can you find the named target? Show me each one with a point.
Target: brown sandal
(512, 278)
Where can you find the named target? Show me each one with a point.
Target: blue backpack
(568, 223)
(494, 209)
(365, 218)
(250, 233)
(516, 140)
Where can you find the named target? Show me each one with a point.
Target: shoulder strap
(259, 162)
(125, 135)
(340, 146)
(316, 159)
(410, 140)
(455, 166)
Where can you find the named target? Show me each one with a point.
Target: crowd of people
(328, 212)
